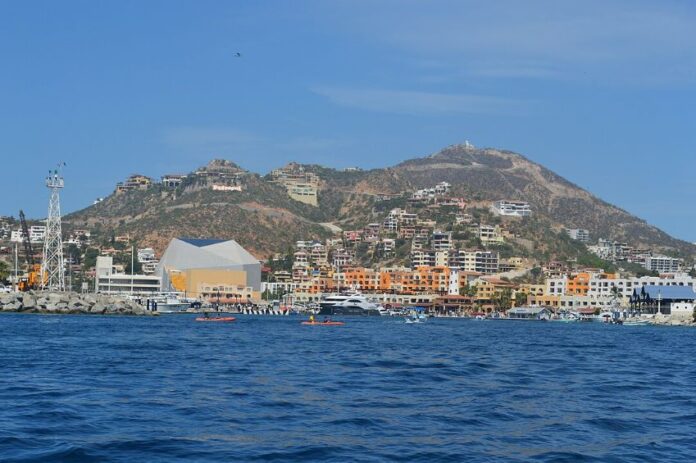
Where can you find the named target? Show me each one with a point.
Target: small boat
(636, 322)
(215, 319)
(328, 323)
(415, 320)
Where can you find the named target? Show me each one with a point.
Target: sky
(601, 92)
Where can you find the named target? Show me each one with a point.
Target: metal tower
(52, 270)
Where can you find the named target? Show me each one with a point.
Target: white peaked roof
(184, 254)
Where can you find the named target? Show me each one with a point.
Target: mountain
(265, 220)
(491, 174)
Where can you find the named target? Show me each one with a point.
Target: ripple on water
(166, 389)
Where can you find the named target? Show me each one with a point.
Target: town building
(208, 268)
(579, 234)
(512, 208)
(625, 287)
(485, 262)
(134, 182)
(663, 264)
(172, 181)
(148, 260)
(37, 233)
(301, 185)
(441, 241)
(109, 281)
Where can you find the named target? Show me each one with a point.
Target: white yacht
(170, 303)
(350, 304)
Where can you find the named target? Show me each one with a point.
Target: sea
(169, 389)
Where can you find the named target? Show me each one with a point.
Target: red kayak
(215, 319)
(324, 323)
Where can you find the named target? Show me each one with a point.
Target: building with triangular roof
(213, 269)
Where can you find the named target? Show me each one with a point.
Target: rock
(12, 306)
(7, 298)
(29, 301)
(98, 308)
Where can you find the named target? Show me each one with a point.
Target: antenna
(52, 265)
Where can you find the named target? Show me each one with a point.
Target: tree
(137, 267)
(692, 272)
(503, 301)
(467, 290)
(90, 259)
(4, 271)
(615, 294)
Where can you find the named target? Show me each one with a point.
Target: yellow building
(210, 269)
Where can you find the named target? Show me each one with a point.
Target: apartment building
(663, 264)
(485, 262)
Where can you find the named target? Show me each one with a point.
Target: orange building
(579, 284)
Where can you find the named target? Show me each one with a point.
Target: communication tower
(52, 270)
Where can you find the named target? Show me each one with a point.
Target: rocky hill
(491, 174)
(264, 219)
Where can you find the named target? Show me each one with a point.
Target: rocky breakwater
(48, 302)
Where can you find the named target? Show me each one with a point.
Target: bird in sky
(237, 55)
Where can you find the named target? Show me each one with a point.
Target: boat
(171, 303)
(566, 317)
(416, 315)
(350, 304)
(215, 319)
(328, 323)
(636, 322)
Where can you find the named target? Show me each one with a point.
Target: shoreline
(69, 303)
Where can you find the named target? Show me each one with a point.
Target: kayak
(324, 323)
(215, 319)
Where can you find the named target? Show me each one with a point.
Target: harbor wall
(50, 302)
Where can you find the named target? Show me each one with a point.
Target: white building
(662, 264)
(109, 282)
(37, 233)
(557, 286)
(423, 258)
(682, 310)
(147, 260)
(579, 234)
(512, 208)
(486, 262)
(441, 241)
(610, 250)
(488, 234)
(603, 287)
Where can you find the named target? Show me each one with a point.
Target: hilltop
(268, 214)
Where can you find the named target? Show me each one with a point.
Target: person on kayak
(311, 318)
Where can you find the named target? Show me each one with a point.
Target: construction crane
(31, 281)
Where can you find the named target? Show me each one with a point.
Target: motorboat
(417, 315)
(170, 303)
(350, 304)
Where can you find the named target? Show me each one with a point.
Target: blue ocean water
(125, 389)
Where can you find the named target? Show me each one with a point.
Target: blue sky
(602, 92)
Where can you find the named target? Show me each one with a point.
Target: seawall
(50, 302)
